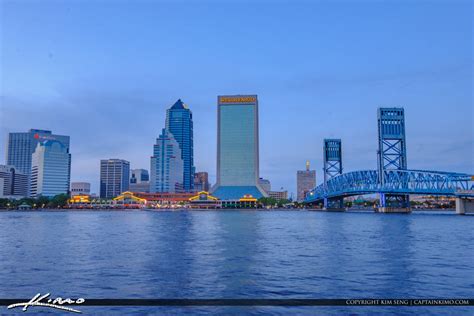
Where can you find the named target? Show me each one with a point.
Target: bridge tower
(332, 167)
(392, 155)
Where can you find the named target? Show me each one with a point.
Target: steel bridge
(392, 180)
(396, 182)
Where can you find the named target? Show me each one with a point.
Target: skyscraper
(50, 169)
(179, 122)
(22, 145)
(305, 182)
(237, 148)
(114, 177)
(166, 165)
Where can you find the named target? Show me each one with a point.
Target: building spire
(179, 105)
(307, 165)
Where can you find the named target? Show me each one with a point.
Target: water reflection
(235, 254)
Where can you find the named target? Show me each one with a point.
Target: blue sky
(104, 73)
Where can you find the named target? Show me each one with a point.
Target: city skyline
(303, 99)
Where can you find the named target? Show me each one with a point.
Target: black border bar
(264, 302)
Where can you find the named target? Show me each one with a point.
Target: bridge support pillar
(334, 204)
(394, 203)
(464, 206)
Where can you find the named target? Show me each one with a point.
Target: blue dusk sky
(104, 72)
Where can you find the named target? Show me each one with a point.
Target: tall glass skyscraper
(237, 148)
(166, 165)
(50, 169)
(21, 146)
(179, 122)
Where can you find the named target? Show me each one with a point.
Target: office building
(139, 181)
(139, 176)
(21, 146)
(179, 122)
(201, 181)
(143, 187)
(80, 188)
(265, 184)
(237, 148)
(278, 195)
(50, 169)
(12, 182)
(166, 165)
(114, 177)
(305, 182)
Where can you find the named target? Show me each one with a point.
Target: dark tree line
(57, 201)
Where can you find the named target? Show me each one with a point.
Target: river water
(238, 254)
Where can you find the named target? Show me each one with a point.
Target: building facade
(50, 169)
(12, 182)
(237, 148)
(201, 181)
(139, 181)
(265, 184)
(166, 165)
(22, 145)
(179, 122)
(114, 177)
(278, 195)
(139, 176)
(305, 182)
(80, 188)
(140, 187)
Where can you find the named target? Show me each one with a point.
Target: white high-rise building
(50, 169)
(166, 167)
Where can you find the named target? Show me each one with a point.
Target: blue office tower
(179, 122)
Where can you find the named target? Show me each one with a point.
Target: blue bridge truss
(392, 180)
(396, 182)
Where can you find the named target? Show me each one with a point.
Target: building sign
(43, 137)
(237, 99)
